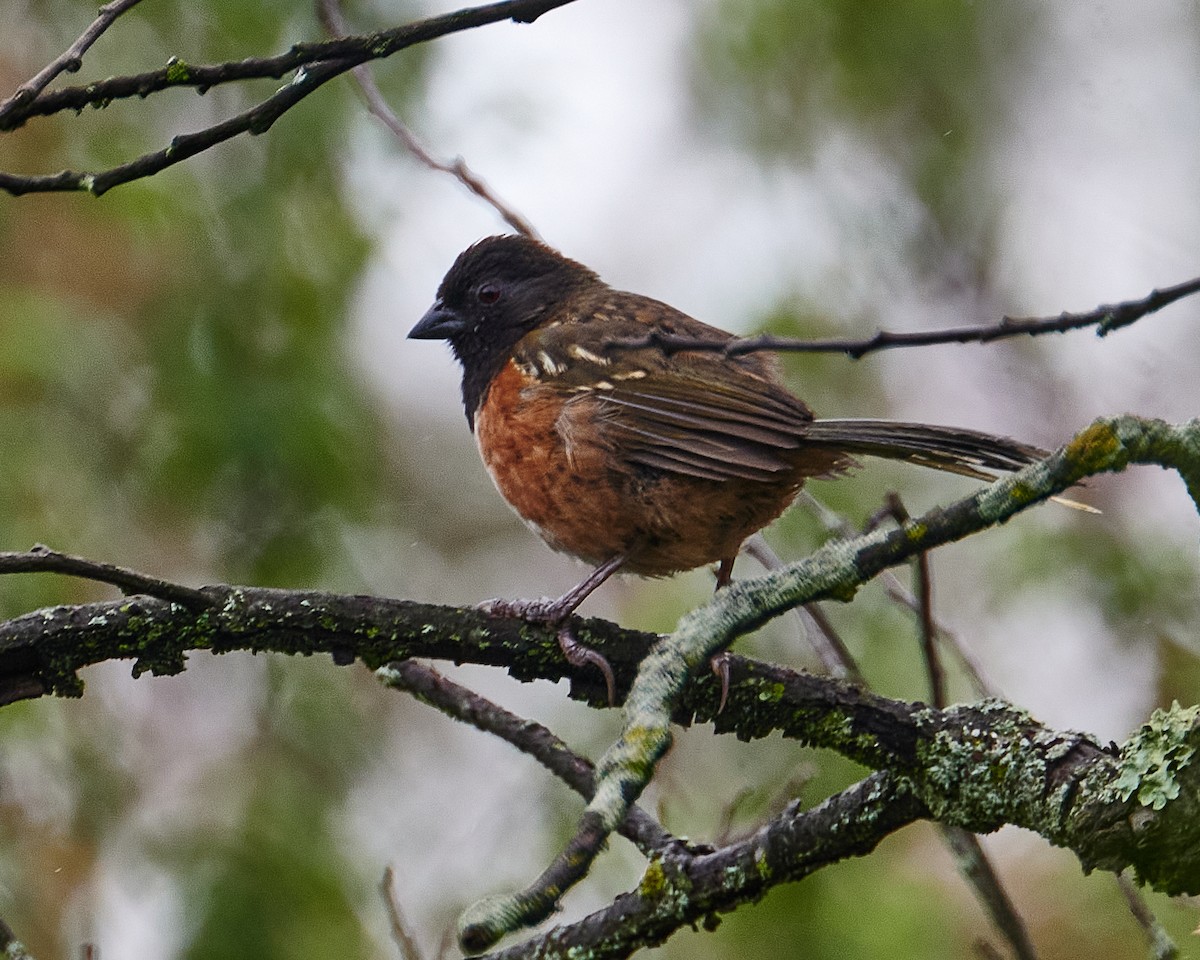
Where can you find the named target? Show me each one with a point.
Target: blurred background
(204, 376)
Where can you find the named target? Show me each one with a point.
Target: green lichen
(1093, 449)
(844, 592)
(1155, 756)
(763, 866)
(974, 776)
(178, 72)
(771, 692)
(1021, 493)
(654, 881)
(915, 532)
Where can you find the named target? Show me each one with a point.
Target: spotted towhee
(638, 459)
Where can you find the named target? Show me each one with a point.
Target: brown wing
(739, 428)
(700, 414)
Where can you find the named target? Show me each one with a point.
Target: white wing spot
(549, 364)
(582, 353)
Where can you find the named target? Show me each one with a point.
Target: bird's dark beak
(438, 323)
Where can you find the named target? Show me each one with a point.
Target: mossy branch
(833, 573)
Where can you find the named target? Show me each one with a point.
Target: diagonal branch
(330, 13)
(68, 62)
(456, 701)
(679, 890)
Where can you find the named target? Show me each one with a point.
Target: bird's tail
(952, 449)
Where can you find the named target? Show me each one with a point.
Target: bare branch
(405, 942)
(972, 861)
(1105, 319)
(330, 13)
(69, 62)
(42, 559)
(903, 596)
(1163, 947)
(314, 65)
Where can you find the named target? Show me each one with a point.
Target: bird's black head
(496, 292)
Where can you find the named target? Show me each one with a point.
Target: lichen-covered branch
(680, 889)
(981, 766)
(978, 766)
(42, 652)
(834, 572)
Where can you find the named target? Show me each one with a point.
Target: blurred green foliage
(279, 884)
(921, 83)
(176, 394)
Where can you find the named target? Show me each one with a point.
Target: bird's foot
(553, 613)
(581, 655)
(542, 610)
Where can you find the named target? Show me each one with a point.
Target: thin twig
(973, 862)
(1161, 944)
(332, 18)
(69, 62)
(41, 559)
(923, 590)
(899, 593)
(204, 77)
(1105, 319)
(824, 639)
(405, 942)
(970, 857)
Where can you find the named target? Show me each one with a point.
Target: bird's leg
(554, 613)
(725, 572)
(720, 663)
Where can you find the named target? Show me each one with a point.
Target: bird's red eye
(488, 294)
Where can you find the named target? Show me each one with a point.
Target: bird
(628, 453)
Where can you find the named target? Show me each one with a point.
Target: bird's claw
(720, 668)
(579, 655)
(552, 613)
